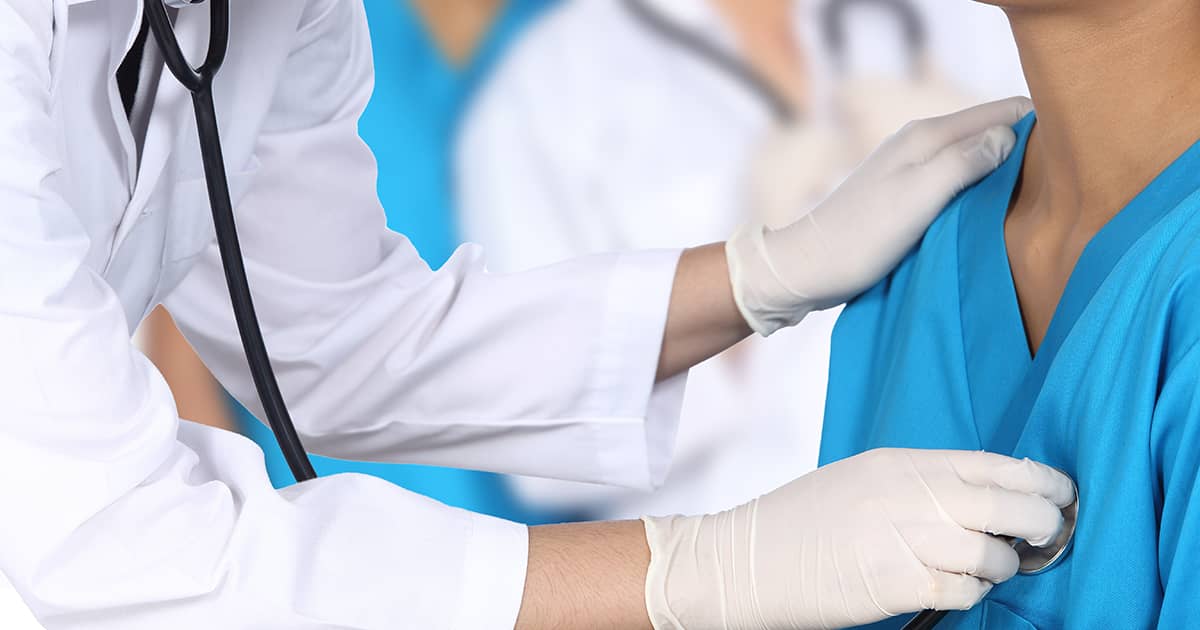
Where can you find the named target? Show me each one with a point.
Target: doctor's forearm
(586, 575)
(702, 318)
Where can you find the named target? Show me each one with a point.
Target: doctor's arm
(771, 278)
(120, 516)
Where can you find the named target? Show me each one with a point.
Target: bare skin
(702, 317)
(1097, 143)
(197, 394)
(765, 34)
(586, 576)
(458, 26)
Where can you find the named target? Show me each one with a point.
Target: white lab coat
(598, 135)
(119, 515)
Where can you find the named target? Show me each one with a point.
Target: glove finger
(931, 136)
(953, 549)
(1021, 475)
(954, 591)
(936, 181)
(1005, 513)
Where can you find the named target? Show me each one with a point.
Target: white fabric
(14, 615)
(595, 135)
(117, 515)
(881, 534)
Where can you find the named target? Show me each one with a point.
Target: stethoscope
(833, 19)
(199, 82)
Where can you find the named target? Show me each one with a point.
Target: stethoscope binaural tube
(199, 82)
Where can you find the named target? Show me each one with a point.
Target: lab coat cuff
(639, 294)
(497, 557)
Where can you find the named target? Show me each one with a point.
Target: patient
(1054, 312)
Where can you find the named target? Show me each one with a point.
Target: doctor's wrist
(585, 576)
(702, 320)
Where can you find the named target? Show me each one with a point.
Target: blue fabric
(411, 124)
(936, 356)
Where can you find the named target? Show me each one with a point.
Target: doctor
(117, 514)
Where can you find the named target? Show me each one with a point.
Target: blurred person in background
(632, 124)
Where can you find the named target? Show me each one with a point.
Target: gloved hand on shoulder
(781, 272)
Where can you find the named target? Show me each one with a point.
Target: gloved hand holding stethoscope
(880, 534)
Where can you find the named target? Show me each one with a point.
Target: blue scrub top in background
(411, 124)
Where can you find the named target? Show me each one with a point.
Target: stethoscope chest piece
(1033, 560)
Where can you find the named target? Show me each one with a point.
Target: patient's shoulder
(1168, 256)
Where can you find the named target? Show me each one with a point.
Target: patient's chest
(1042, 254)
(927, 360)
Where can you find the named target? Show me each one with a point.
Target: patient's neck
(1118, 98)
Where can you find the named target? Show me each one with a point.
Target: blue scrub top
(411, 124)
(936, 356)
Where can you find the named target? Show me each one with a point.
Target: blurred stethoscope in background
(818, 145)
(835, 32)
(199, 82)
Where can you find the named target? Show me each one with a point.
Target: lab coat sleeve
(117, 515)
(1175, 446)
(549, 372)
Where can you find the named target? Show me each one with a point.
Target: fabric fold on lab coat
(118, 515)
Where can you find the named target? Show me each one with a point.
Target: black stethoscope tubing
(199, 82)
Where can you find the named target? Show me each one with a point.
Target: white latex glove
(884, 533)
(862, 230)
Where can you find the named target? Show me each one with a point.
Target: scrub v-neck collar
(1003, 378)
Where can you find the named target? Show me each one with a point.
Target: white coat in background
(117, 514)
(598, 135)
